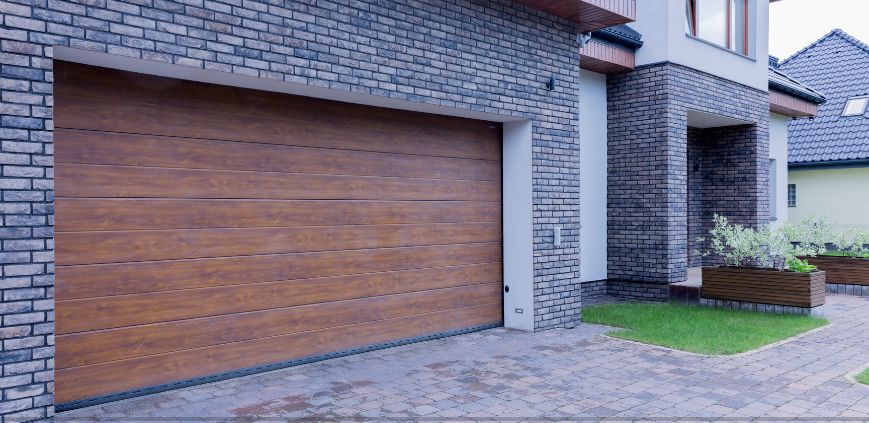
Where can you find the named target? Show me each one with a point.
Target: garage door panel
(94, 147)
(202, 229)
(113, 214)
(75, 82)
(151, 370)
(137, 341)
(149, 182)
(87, 281)
(119, 115)
(128, 246)
(89, 314)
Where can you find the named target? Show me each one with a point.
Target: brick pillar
(651, 209)
(646, 162)
(26, 234)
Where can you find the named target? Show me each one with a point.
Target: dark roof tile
(838, 66)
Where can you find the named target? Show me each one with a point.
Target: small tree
(735, 244)
(809, 236)
(740, 246)
(851, 243)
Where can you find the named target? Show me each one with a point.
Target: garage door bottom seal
(88, 402)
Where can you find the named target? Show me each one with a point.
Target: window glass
(792, 195)
(689, 17)
(737, 26)
(712, 21)
(722, 22)
(855, 106)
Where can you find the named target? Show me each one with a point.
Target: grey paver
(560, 374)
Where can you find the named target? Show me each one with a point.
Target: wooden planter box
(764, 286)
(843, 270)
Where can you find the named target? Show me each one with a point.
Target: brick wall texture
(593, 288)
(648, 199)
(725, 159)
(643, 291)
(492, 56)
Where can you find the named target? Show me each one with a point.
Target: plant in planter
(847, 262)
(761, 266)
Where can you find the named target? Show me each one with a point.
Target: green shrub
(741, 246)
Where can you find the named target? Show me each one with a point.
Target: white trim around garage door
(517, 184)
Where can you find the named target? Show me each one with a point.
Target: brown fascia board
(789, 105)
(604, 58)
(589, 15)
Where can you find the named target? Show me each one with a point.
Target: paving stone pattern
(564, 374)
(838, 288)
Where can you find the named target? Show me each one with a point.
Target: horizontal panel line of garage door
(83, 314)
(108, 345)
(108, 214)
(289, 110)
(151, 370)
(265, 200)
(170, 260)
(137, 246)
(275, 172)
(185, 183)
(123, 117)
(278, 105)
(96, 280)
(85, 146)
(334, 281)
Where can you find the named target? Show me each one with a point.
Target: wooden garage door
(202, 229)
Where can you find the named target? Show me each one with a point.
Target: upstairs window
(721, 22)
(792, 195)
(855, 106)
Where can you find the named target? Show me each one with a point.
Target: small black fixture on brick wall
(550, 84)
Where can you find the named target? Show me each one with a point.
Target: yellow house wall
(840, 194)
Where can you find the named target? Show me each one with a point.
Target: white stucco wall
(592, 176)
(518, 226)
(778, 151)
(662, 23)
(840, 194)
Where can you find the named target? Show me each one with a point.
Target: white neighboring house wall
(840, 194)
(593, 176)
(778, 152)
(662, 23)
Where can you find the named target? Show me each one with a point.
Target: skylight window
(855, 106)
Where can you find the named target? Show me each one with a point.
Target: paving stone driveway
(573, 374)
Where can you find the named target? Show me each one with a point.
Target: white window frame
(736, 41)
(862, 111)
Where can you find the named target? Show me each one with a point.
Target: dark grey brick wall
(491, 56)
(634, 290)
(695, 197)
(726, 182)
(648, 166)
(593, 288)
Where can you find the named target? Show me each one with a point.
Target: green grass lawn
(698, 329)
(863, 377)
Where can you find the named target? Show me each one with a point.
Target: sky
(794, 24)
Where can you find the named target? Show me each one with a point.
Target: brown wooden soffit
(589, 15)
(788, 105)
(604, 58)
